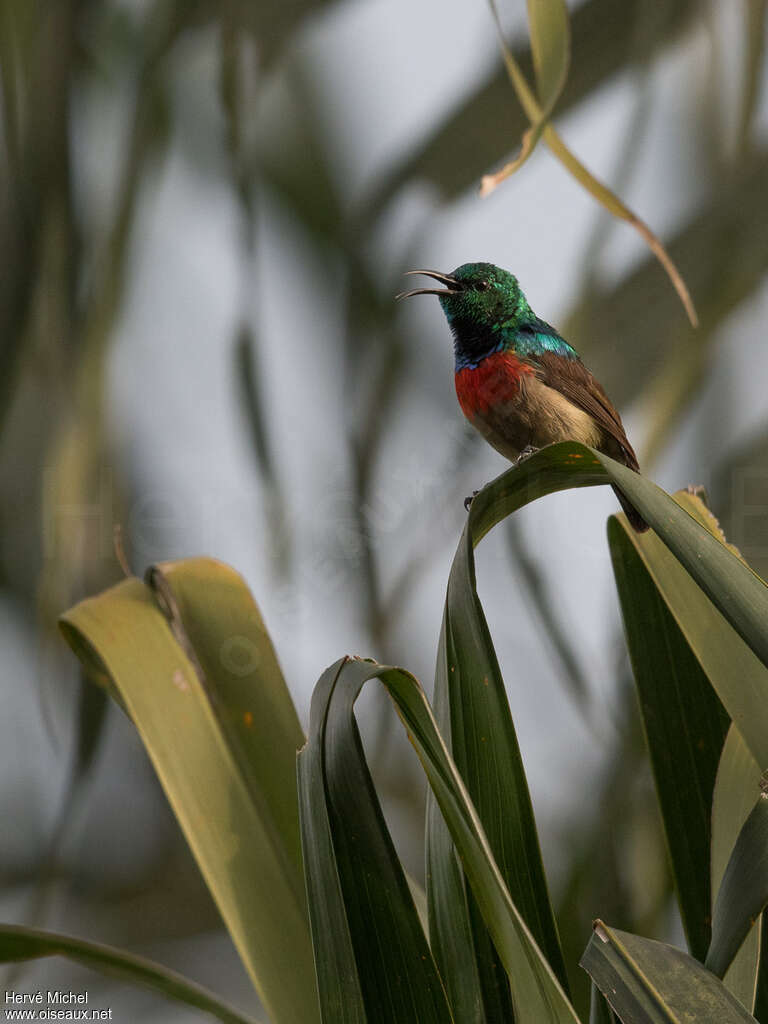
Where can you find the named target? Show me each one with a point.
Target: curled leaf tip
(488, 184)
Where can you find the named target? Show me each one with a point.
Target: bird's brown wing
(574, 381)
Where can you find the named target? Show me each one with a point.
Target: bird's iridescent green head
(481, 302)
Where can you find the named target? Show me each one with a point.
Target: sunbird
(519, 383)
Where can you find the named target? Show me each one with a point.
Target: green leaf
(371, 884)
(341, 997)
(599, 1010)
(539, 116)
(611, 202)
(743, 892)
(738, 676)
(460, 147)
(181, 675)
(379, 969)
(684, 722)
(214, 616)
(550, 46)
(649, 982)
(450, 928)
(739, 594)
(550, 49)
(474, 716)
(19, 944)
(481, 731)
(738, 779)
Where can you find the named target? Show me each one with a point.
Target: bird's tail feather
(635, 519)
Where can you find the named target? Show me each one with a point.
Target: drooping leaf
(460, 148)
(538, 115)
(356, 884)
(684, 723)
(213, 613)
(735, 672)
(550, 47)
(475, 718)
(611, 202)
(340, 780)
(738, 779)
(339, 987)
(480, 725)
(550, 50)
(743, 892)
(197, 729)
(18, 944)
(649, 982)
(739, 594)
(646, 316)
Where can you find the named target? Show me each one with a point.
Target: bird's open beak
(451, 284)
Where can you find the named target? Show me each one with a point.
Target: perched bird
(518, 382)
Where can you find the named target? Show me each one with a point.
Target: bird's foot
(469, 499)
(525, 454)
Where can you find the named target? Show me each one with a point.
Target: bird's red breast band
(495, 380)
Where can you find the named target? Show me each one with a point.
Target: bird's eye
(482, 286)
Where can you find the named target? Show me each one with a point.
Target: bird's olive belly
(536, 417)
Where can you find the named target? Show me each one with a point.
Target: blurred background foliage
(205, 210)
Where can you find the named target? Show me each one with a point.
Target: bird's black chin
(451, 285)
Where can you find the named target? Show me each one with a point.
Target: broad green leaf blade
(738, 676)
(357, 888)
(19, 944)
(737, 592)
(743, 892)
(474, 715)
(599, 1010)
(475, 972)
(450, 928)
(213, 613)
(738, 779)
(684, 724)
(649, 982)
(341, 999)
(465, 636)
(741, 595)
(237, 847)
(538, 996)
